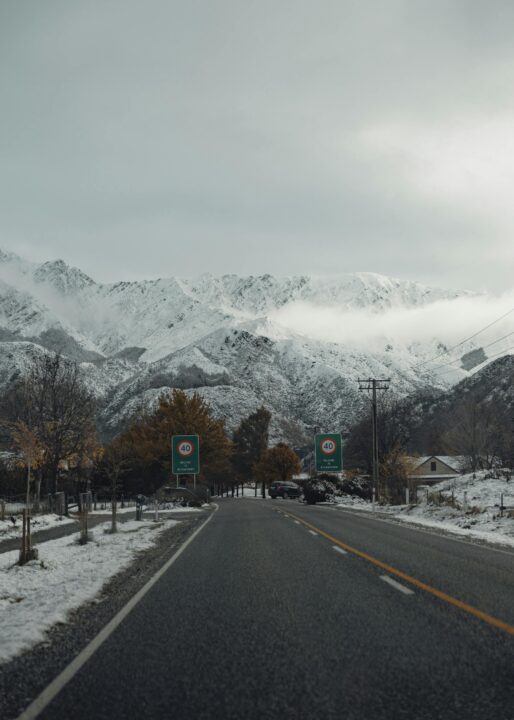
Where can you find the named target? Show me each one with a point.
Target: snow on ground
(466, 505)
(249, 492)
(148, 510)
(107, 511)
(38, 522)
(41, 593)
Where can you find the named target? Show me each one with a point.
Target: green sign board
(185, 455)
(328, 452)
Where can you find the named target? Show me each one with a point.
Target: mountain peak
(64, 278)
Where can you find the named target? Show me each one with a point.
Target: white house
(434, 468)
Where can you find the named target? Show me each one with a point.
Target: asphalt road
(261, 618)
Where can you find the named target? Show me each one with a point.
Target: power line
(452, 364)
(487, 360)
(497, 341)
(449, 350)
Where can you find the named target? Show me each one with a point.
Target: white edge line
(50, 692)
(339, 550)
(397, 585)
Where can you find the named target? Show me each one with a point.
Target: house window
(433, 466)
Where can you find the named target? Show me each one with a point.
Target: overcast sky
(153, 138)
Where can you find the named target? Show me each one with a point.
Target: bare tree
(52, 400)
(393, 430)
(470, 434)
(116, 462)
(395, 469)
(30, 450)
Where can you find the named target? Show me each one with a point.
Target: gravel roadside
(22, 679)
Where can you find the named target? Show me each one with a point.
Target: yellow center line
(485, 617)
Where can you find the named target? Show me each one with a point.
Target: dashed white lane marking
(397, 585)
(312, 532)
(339, 550)
(297, 522)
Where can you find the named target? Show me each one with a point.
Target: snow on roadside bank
(148, 510)
(475, 512)
(37, 595)
(38, 522)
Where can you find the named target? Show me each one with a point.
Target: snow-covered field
(41, 593)
(148, 510)
(468, 506)
(38, 522)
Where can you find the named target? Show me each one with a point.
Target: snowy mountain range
(239, 341)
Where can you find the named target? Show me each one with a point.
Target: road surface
(318, 613)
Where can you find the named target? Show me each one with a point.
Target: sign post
(328, 452)
(185, 455)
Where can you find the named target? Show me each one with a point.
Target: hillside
(226, 337)
(489, 393)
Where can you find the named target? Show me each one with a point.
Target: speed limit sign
(328, 452)
(185, 448)
(185, 454)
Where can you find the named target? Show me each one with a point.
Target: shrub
(357, 486)
(320, 489)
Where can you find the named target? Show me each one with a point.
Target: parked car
(284, 490)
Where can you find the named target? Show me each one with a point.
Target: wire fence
(63, 504)
(504, 504)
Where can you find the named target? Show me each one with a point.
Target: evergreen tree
(149, 436)
(250, 442)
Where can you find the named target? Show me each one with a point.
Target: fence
(62, 504)
(423, 495)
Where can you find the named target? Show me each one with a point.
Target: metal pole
(375, 441)
(28, 485)
(23, 551)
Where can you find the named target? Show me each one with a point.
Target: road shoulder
(23, 678)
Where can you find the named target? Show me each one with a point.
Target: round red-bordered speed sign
(185, 448)
(328, 446)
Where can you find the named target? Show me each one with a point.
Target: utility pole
(374, 385)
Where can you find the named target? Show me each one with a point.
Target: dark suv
(284, 490)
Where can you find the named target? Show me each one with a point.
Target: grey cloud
(145, 139)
